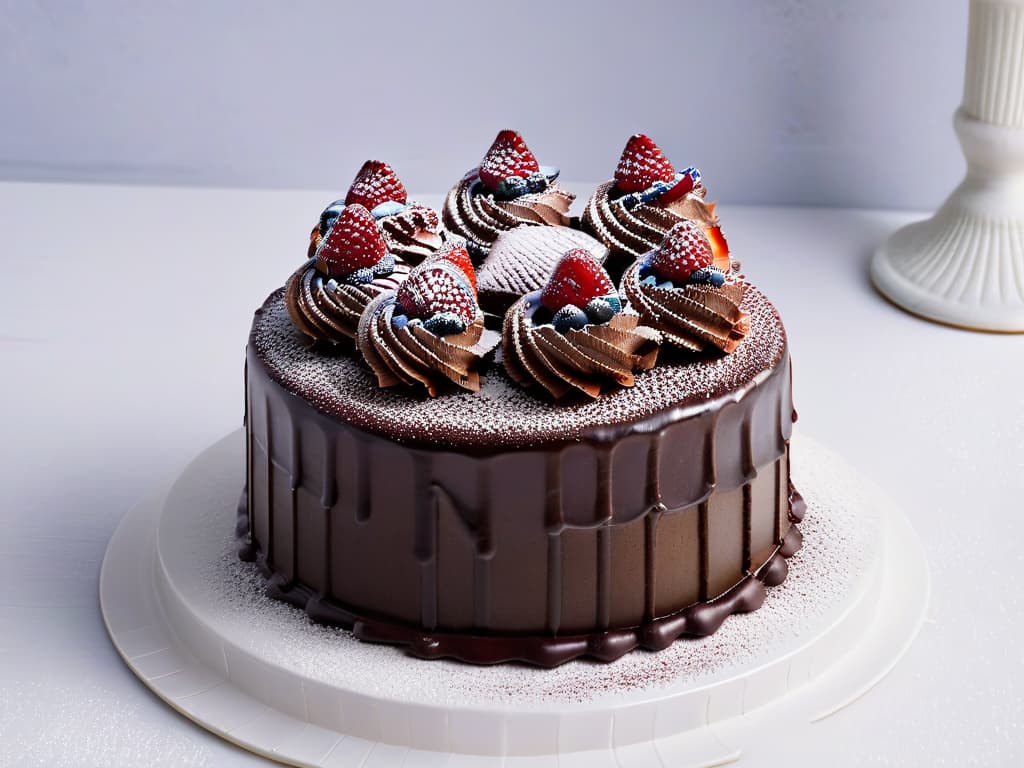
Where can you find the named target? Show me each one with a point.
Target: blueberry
(511, 187)
(444, 323)
(599, 311)
(361, 276)
(653, 192)
(330, 215)
(614, 302)
(389, 208)
(649, 280)
(399, 321)
(709, 276)
(569, 316)
(630, 201)
(385, 266)
(536, 182)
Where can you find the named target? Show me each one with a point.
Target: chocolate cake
(612, 478)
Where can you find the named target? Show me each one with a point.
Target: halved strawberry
(454, 252)
(353, 243)
(375, 183)
(719, 247)
(684, 250)
(434, 288)
(642, 164)
(576, 279)
(508, 156)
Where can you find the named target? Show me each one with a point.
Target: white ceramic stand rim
(167, 650)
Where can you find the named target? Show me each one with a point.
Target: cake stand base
(192, 622)
(965, 265)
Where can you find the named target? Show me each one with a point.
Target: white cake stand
(965, 265)
(191, 621)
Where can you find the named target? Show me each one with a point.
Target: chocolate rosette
(327, 295)
(633, 212)
(509, 189)
(326, 310)
(676, 290)
(428, 333)
(574, 336)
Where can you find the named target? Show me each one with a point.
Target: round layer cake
(496, 525)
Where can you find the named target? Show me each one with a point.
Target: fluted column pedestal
(965, 265)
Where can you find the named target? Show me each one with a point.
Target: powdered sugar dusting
(841, 543)
(340, 384)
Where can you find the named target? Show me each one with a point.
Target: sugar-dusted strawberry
(576, 279)
(454, 252)
(508, 157)
(437, 288)
(375, 183)
(354, 243)
(642, 164)
(685, 250)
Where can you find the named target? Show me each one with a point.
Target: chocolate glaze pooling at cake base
(505, 527)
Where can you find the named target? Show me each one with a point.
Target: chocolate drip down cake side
(597, 464)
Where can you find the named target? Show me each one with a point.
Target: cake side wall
(629, 531)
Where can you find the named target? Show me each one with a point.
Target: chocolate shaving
(414, 356)
(691, 317)
(582, 360)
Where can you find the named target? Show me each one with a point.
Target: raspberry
(508, 157)
(354, 242)
(375, 183)
(437, 288)
(684, 250)
(577, 278)
(642, 164)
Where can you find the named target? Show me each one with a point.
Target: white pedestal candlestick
(965, 265)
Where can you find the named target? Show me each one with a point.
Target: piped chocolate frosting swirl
(351, 266)
(633, 212)
(411, 355)
(509, 189)
(583, 360)
(693, 317)
(327, 310)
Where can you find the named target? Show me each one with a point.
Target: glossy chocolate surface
(550, 531)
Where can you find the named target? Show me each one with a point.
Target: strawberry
(719, 247)
(577, 278)
(434, 288)
(353, 243)
(375, 183)
(454, 252)
(642, 164)
(508, 156)
(684, 250)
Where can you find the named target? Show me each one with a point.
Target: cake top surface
(503, 414)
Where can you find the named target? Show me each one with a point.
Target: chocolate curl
(413, 356)
(581, 360)
(325, 310)
(692, 317)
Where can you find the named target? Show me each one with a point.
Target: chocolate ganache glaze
(496, 526)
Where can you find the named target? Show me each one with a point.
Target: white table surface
(123, 317)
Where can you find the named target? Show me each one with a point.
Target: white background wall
(785, 101)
